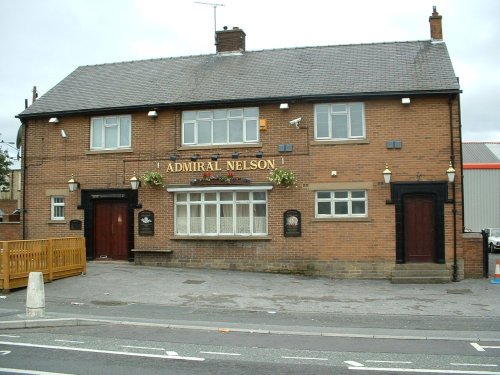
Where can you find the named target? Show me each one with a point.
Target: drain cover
(194, 282)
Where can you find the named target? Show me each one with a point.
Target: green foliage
(5, 164)
(282, 176)
(154, 179)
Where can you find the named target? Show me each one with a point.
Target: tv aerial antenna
(214, 5)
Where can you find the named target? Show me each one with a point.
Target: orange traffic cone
(496, 278)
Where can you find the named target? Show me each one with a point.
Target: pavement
(124, 293)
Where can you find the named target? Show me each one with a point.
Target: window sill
(211, 147)
(343, 219)
(167, 251)
(340, 142)
(115, 151)
(63, 221)
(222, 238)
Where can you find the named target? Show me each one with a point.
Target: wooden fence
(56, 258)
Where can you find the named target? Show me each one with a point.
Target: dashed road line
(28, 372)
(308, 358)
(221, 353)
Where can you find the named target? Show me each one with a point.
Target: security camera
(296, 122)
(63, 134)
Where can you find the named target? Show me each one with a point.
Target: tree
(5, 164)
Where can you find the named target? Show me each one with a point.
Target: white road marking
(310, 358)
(221, 353)
(480, 348)
(5, 352)
(29, 372)
(142, 347)
(88, 350)
(423, 371)
(10, 336)
(354, 363)
(71, 341)
(399, 362)
(473, 364)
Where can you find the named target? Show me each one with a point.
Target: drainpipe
(452, 156)
(25, 124)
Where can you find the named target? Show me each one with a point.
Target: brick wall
(356, 248)
(473, 255)
(10, 231)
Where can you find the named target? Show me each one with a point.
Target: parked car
(493, 239)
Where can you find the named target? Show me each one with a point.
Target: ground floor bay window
(222, 211)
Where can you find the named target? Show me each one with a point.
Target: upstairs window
(220, 127)
(110, 133)
(339, 121)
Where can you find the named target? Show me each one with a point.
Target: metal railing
(56, 258)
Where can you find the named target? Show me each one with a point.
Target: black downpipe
(24, 177)
(452, 156)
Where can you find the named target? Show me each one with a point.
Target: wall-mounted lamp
(194, 157)
(405, 100)
(135, 182)
(72, 184)
(387, 174)
(54, 120)
(284, 106)
(63, 134)
(214, 157)
(235, 155)
(173, 157)
(259, 154)
(451, 173)
(152, 114)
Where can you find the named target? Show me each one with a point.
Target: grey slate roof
(475, 152)
(301, 73)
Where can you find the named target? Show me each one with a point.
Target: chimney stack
(435, 21)
(230, 40)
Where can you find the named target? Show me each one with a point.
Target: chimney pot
(230, 40)
(435, 21)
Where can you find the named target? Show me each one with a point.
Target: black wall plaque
(292, 224)
(75, 225)
(146, 223)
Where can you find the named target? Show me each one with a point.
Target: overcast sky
(42, 41)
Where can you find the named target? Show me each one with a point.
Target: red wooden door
(419, 230)
(111, 230)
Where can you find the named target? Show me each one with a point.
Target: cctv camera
(296, 122)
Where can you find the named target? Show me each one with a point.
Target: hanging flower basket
(282, 176)
(208, 178)
(153, 179)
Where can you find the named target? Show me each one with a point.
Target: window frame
(333, 199)
(331, 113)
(120, 128)
(252, 202)
(250, 133)
(54, 205)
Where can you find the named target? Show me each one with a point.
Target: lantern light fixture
(135, 182)
(451, 173)
(73, 185)
(387, 174)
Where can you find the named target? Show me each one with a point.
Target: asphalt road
(120, 349)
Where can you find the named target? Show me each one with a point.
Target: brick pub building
(214, 127)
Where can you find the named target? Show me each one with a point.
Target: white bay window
(222, 212)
